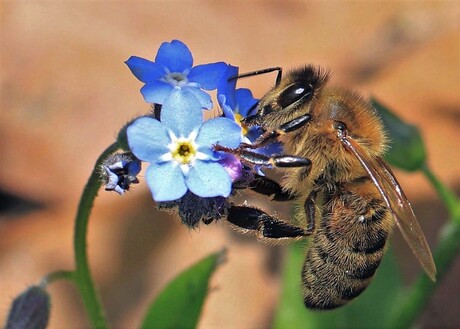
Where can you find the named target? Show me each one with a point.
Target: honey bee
(333, 168)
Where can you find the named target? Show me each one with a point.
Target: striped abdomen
(347, 246)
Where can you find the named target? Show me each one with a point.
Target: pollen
(244, 128)
(184, 152)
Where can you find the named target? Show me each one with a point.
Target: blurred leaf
(13, 206)
(369, 310)
(179, 304)
(407, 149)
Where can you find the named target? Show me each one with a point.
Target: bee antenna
(259, 72)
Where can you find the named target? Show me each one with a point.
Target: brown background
(65, 92)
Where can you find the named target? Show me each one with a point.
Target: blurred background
(65, 93)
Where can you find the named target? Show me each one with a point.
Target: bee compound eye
(294, 93)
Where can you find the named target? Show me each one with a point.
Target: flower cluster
(179, 145)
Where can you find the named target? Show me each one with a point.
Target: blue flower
(179, 149)
(173, 70)
(236, 105)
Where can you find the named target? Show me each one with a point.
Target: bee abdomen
(341, 262)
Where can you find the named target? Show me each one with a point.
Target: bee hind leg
(249, 219)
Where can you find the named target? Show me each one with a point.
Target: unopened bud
(119, 171)
(233, 166)
(30, 310)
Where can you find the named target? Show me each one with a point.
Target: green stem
(446, 195)
(58, 275)
(82, 273)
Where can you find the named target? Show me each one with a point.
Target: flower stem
(449, 198)
(82, 274)
(58, 275)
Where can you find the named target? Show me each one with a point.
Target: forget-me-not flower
(179, 149)
(173, 70)
(236, 105)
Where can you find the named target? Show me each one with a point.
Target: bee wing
(396, 201)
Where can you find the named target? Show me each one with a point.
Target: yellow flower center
(184, 152)
(244, 128)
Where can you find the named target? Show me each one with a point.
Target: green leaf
(369, 310)
(179, 304)
(407, 149)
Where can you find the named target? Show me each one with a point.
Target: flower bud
(30, 310)
(233, 166)
(119, 171)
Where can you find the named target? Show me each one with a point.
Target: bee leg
(290, 161)
(310, 211)
(272, 135)
(281, 161)
(265, 186)
(253, 219)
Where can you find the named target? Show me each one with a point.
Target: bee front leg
(281, 161)
(270, 136)
(250, 219)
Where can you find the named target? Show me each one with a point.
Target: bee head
(293, 97)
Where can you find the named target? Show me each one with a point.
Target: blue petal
(134, 167)
(226, 109)
(254, 132)
(203, 97)
(220, 131)
(227, 88)
(148, 139)
(212, 155)
(208, 179)
(181, 112)
(244, 101)
(174, 55)
(166, 181)
(145, 70)
(271, 149)
(208, 75)
(156, 92)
